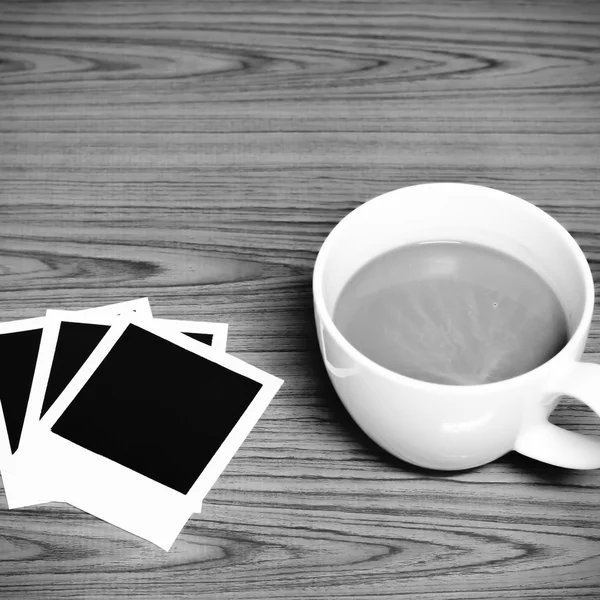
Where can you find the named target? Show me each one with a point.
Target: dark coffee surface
(452, 313)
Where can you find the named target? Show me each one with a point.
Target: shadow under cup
(433, 425)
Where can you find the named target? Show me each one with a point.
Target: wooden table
(198, 153)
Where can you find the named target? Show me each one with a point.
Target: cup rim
(329, 325)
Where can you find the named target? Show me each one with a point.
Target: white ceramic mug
(458, 427)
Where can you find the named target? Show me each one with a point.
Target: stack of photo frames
(125, 416)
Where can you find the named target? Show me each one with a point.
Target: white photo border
(138, 503)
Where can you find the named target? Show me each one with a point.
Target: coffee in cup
(451, 318)
(451, 312)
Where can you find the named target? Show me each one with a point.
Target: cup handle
(540, 439)
(337, 371)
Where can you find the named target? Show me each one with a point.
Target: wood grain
(198, 153)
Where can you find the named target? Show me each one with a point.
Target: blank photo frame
(146, 426)
(19, 347)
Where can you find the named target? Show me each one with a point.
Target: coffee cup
(453, 427)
